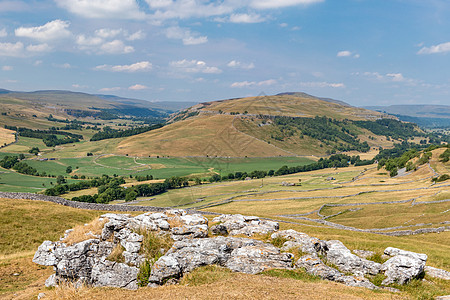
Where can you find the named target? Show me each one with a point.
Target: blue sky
(365, 52)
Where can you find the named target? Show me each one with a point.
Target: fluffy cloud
(347, 53)
(240, 65)
(103, 9)
(244, 84)
(246, 18)
(10, 49)
(3, 33)
(390, 77)
(53, 30)
(440, 48)
(108, 33)
(39, 48)
(138, 87)
(188, 37)
(194, 66)
(112, 89)
(138, 35)
(116, 47)
(322, 84)
(143, 66)
(267, 4)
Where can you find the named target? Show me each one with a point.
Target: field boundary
(92, 206)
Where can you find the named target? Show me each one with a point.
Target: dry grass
(6, 136)
(232, 286)
(200, 136)
(117, 254)
(84, 232)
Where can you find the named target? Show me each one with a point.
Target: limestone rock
(346, 261)
(314, 266)
(437, 273)
(257, 258)
(402, 268)
(113, 274)
(186, 231)
(45, 255)
(395, 251)
(246, 225)
(300, 240)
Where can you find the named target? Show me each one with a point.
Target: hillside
(31, 109)
(287, 124)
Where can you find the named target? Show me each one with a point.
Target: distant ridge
(302, 94)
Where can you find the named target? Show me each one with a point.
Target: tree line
(110, 133)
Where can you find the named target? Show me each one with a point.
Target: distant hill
(29, 109)
(428, 116)
(286, 124)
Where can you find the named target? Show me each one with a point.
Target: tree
(34, 150)
(60, 179)
(69, 169)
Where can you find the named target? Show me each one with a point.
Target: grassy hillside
(281, 125)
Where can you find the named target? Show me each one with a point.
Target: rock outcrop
(91, 261)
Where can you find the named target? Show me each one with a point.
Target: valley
(319, 166)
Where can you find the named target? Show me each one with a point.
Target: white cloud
(440, 48)
(246, 18)
(266, 4)
(53, 30)
(116, 47)
(138, 87)
(243, 84)
(183, 9)
(322, 84)
(138, 35)
(108, 33)
(194, 66)
(112, 89)
(10, 49)
(7, 68)
(238, 64)
(397, 77)
(188, 37)
(390, 77)
(39, 48)
(103, 9)
(143, 66)
(347, 53)
(37, 63)
(87, 42)
(3, 33)
(344, 53)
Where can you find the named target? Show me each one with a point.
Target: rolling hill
(287, 124)
(31, 109)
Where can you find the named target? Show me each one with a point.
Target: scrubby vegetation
(109, 133)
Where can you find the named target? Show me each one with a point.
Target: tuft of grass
(377, 257)
(117, 254)
(84, 232)
(377, 279)
(153, 246)
(278, 241)
(144, 273)
(297, 274)
(205, 275)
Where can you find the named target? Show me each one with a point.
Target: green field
(159, 168)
